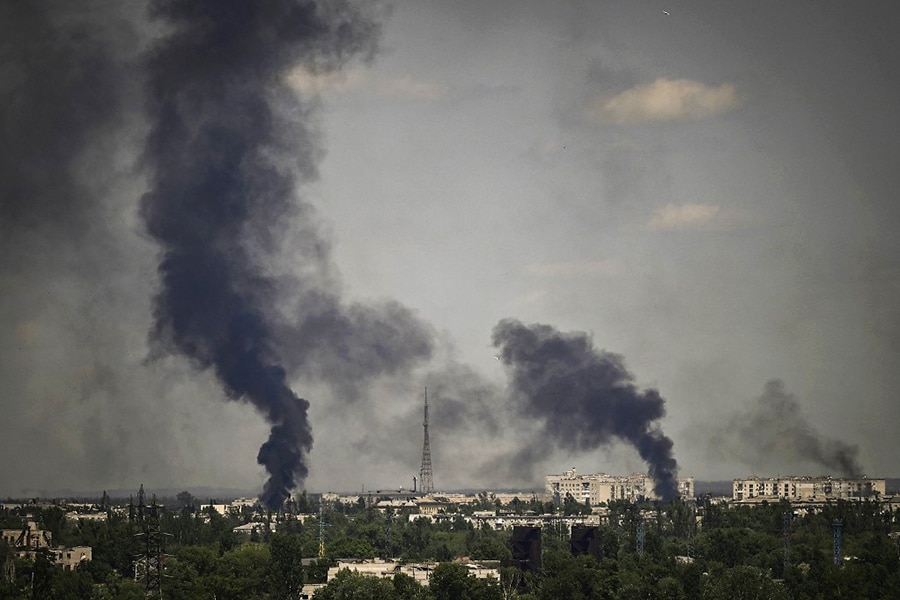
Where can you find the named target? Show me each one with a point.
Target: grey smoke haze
(773, 432)
(62, 92)
(526, 159)
(583, 398)
(228, 145)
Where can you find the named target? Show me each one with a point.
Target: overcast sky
(707, 189)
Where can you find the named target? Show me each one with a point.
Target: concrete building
(809, 489)
(71, 558)
(433, 505)
(597, 488)
(420, 572)
(27, 539)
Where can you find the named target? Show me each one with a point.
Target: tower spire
(425, 475)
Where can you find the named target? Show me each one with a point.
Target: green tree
(578, 578)
(41, 575)
(286, 571)
(243, 574)
(407, 588)
(349, 585)
(452, 581)
(71, 585)
(571, 506)
(743, 583)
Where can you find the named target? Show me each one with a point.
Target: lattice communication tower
(426, 477)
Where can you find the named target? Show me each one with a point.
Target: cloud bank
(687, 216)
(665, 100)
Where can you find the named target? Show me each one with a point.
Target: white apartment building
(596, 488)
(807, 488)
(420, 572)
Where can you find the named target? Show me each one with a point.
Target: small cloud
(412, 89)
(610, 267)
(305, 81)
(665, 100)
(686, 216)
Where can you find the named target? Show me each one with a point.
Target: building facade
(597, 488)
(810, 489)
(72, 558)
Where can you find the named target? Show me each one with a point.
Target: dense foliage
(677, 551)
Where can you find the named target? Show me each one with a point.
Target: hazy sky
(707, 189)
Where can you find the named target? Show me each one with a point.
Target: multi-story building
(597, 488)
(71, 558)
(27, 539)
(805, 488)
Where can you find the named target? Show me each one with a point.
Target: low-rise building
(420, 572)
(433, 505)
(71, 558)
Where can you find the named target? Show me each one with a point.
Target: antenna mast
(425, 475)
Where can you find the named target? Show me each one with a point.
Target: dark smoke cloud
(353, 343)
(222, 122)
(583, 398)
(61, 91)
(773, 431)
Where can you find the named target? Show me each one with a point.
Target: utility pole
(322, 526)
(639, 535)
(153, 557)
(786, 534)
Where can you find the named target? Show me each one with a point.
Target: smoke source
(773, 431)
(222, 121)
(584, 398)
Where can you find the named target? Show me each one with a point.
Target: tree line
(675, 551)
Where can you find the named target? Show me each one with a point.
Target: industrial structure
(426, 478)
(598, 488)
(526, 548)
(808, 489)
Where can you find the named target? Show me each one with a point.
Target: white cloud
(610, 267)
(306, 81)
(412, 89)
(665, 100)
(687, 216)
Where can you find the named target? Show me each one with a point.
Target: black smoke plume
(773, 431)
(584, 398)
(228, 145)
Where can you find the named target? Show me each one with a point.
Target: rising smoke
(583, 398)
(773, 431)
(222, 122)
(228, 148)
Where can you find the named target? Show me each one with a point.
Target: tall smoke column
(222, 122)
(583, 397)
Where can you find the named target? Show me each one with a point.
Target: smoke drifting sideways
(583, 398)
(773, 431)
(228, 147)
